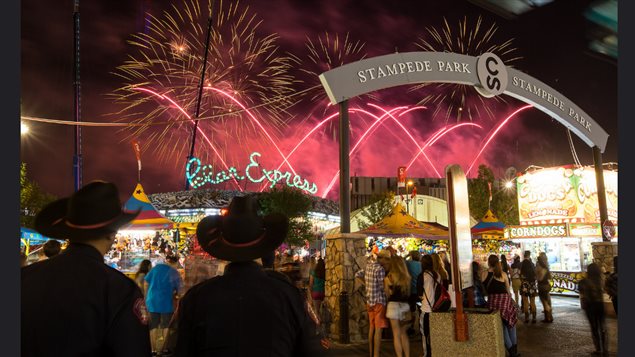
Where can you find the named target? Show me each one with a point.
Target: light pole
(410, 183)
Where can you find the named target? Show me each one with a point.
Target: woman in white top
(426, 284)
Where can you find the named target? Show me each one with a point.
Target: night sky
(551, 40)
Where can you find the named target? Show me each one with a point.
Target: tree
(32, 199)
(504, 203)
(380, 206)
(294, 204)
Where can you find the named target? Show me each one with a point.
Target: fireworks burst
(168, 60)
(323, 53)
(473, 40)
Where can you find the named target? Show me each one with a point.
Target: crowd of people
(93, 309)
(257, 304)
(398, 289)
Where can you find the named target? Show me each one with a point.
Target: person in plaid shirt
(373, 279)
(499, 298)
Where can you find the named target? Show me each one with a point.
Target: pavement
(568, 335)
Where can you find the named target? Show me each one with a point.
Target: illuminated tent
(149, 218)
(489, 227)
(398, 223)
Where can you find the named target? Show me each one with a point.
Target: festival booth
(142, 238)
(559, 215)
(488, 237)
(404, 233)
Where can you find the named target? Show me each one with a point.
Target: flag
(137, 150)
(489, 186)
(414, 192)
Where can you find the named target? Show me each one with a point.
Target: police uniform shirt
(245, 312)
(75, 305)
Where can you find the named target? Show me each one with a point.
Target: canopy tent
(149, 218)
(29, 237)
(398, 223)
(489, 227)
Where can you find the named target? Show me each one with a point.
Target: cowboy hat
(91, 212)
(241, 235)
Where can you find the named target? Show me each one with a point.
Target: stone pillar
(345, 256)
(603, 253)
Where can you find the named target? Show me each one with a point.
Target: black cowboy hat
(89, 213)
(242, 235)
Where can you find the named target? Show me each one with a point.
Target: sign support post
(345, 188)
(599, 179)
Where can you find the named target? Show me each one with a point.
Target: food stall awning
(149, 218)
(398, 223)
(489, 227)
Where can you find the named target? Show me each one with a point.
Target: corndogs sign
(487, 73)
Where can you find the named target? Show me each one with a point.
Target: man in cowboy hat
(97, 310)
(248, 311)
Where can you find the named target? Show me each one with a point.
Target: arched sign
(487, 73)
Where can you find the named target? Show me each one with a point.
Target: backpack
(442, 300)
(611, 285)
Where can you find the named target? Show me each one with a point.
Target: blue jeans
(509, 334)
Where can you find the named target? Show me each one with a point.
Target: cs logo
(492, 75)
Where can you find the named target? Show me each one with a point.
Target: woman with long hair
(515, 268)
(543, 275)
(592, 301)
(498, 298)
(317, 276)
(397, 287)
(439, 268)
(426, 285)
(446, 264)
(528, 288)
(144, 268)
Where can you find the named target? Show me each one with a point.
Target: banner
(566, 283)
(401, 176)
(564, 195)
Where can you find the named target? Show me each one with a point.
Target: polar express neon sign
(198, 175)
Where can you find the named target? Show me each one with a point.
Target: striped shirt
(373, 276)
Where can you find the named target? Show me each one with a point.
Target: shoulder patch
(141, 311)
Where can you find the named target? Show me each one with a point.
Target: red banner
(401, 176)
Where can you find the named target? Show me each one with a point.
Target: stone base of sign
(485, 331)
(345, 256)
(603, 253)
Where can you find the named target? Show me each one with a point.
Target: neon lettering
(199, 175)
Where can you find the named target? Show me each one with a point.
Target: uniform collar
(250, 267)
(85, 249)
